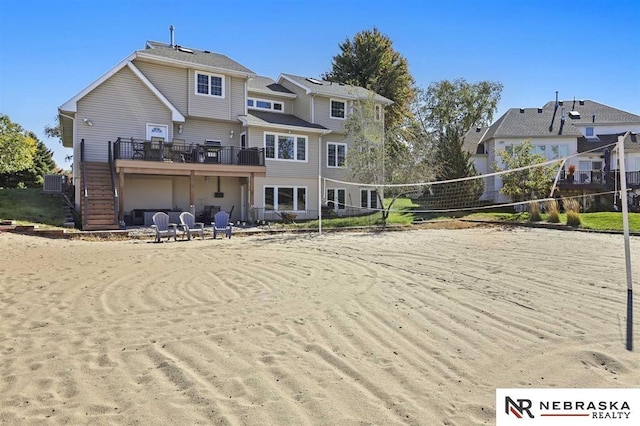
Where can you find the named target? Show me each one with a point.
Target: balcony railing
(140, 149)
(599, 177)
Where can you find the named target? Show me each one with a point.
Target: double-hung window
(368, 199)
(285, 198)
(209, 84)
(285, 147)
(336, 198)
(336, 154)
(338, 109)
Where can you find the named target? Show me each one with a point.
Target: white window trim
(377, 112)
(165, 127)
(371, 193)
(336, 204)
(275, 197)
(295, 147)
(331, 100)
(255, 105)
(209, 75)
(336, 158)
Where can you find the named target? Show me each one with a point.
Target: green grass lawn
(602, 221)
(30, 206)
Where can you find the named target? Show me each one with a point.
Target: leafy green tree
(370, 61)
(17, 148)
(444, 113)
(370, 163)
(529, 183)
(33, 176)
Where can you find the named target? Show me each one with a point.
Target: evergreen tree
(370, 61)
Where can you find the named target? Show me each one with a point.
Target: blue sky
(589, 49)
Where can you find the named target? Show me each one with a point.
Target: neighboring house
(179, 129)
(580, 129)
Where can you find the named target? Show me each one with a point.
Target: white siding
(120, 107)
(282, 168)
(227, 108)
(196, 131)
(170, 81)
(322, 108)
(301, 107)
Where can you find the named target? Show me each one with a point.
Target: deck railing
(140, 149)
(599, 177)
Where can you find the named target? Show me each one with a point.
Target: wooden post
(121, 195)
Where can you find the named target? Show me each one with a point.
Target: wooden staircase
(100, 203)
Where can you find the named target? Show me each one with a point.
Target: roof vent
(313, 80)
(171, 28)
(575, 115)
(561, 103)
(206, 51)
(184, 49)
(593, 118)
(581, 103)
(521, 110)
(478, 129)
(539, 110)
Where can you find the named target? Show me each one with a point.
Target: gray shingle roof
(195, 56)
(472, 138)
(546, 121)
(339, 90)
(631, 142)
(258, 118)
(265, 84)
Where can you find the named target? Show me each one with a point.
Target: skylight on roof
(313, 80)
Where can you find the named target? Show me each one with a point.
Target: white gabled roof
(72, 104)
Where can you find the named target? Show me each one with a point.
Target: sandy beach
(414, 327)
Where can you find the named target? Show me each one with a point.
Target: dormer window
(209, 84)
(265, 104)
(338, 109)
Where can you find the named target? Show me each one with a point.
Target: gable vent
(575, 115)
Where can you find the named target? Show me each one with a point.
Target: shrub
(553, 211)
(534, 212)
(572, 207)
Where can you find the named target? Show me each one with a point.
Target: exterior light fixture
(87, 122)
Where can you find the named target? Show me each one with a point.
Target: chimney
(171, 28)
(556, 99)
(573, 108)
(562, 116)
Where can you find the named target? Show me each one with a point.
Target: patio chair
(190, 226)
(221, 224)
(163, 228)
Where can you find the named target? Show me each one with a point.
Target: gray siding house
(175, 129)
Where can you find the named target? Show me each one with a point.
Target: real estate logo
(567, 407)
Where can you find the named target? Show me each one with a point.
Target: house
(174, 129)
(582, 130)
